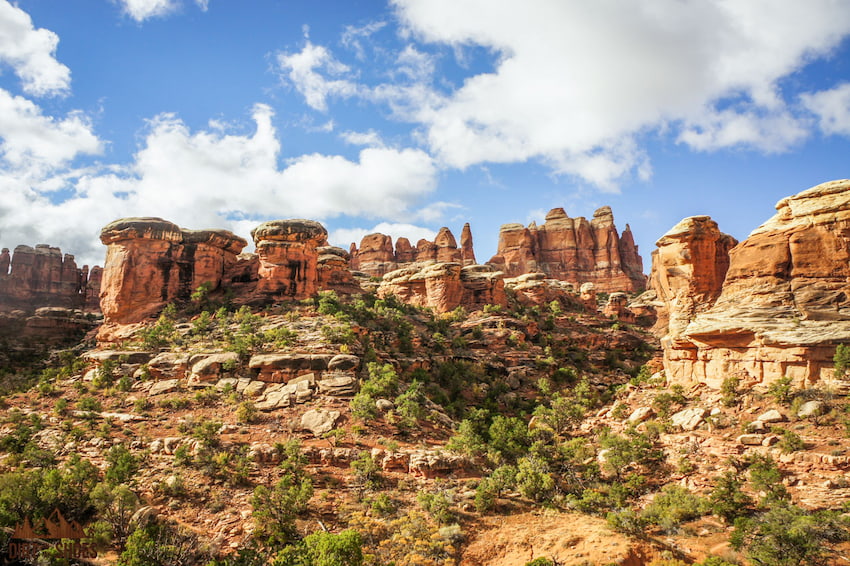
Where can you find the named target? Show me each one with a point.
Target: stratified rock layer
(573, 250)
(785, 302)
(33, 278)
(377, 257)
(151, 262)
(289, 257)
(445, 286)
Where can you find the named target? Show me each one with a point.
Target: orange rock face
(151, 262)
(32, 278)
(288, 254)
(573, 250)
(785, 301)
(333, 271)
(445, 286)
(376, 256)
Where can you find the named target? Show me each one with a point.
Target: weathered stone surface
(432, 285)
(574, 250)
(151, 262)
(640, 414)
(37, 277)
(333, 271)
(288, 255)
(751, 439)
(281, 368)
(210, 367)
(812, 408)
(319, 421)
(784, 304)
(617, 308)
(164, 386)
(343, 362)
(689, 419)
(467, 251)
(771, 416)
(338, 386)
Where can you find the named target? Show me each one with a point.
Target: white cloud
(302, 70)
(30, 138)
(575, 83)
(343, 237)
(210, 178)
(353, 36)
(832, 107)
(141, 10)
(31, 53)
(370, 138)
(203, 4)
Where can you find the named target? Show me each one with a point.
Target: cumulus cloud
(303, 70)
(354, 36)
(31, 53)
(344, 237)
(832, 108)
(574, 80)
(214, 178)
(29, 138)
(576, 85)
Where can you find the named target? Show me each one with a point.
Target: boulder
(689, 419)
(772, 416)
(812, 408)
(319, 421)
(751, 439)
(343, 362)
(164, 386)
(339, 386)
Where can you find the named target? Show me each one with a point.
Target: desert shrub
(324, 549)
(633, 449)
(766, 478)
(366, 471)
(786, 535)
(533, 478)
(791, 442)
(726, 499)
(438, 504)
(161, 544)
(841, 360)
(729, 391)
(122, 465)
(276, 508)
(674, 506)
(114, 505)
(781, 390)
(246, 412)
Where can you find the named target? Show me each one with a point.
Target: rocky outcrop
(333, 271)
(784, 304)
(33, 278)
(688, 270)
(289, 256)
(573, 250)
(151, 262)
(445, 286)
(376, 256)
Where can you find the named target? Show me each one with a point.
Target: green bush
(727, 500)
(122, 465)
(674, 506)
(161, 544)
(275, 509)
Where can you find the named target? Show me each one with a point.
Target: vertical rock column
(288, 255)
(141, 274)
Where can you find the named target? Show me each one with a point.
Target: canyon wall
(574, 250)
(784, 304)
(42, 276)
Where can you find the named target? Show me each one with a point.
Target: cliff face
(151, 262)
(573, 250)
(784, 304)
(32, 278)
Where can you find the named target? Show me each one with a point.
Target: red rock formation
(574, 250)
(39, 277)
(151, 262)
(467, 253)
(287, 250)
(785, 301)
(445, 286)
(376, 257)
(333, 271)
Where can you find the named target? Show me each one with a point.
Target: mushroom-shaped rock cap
(333, 252)
(223, 239)
(294, 230)
(134, 228)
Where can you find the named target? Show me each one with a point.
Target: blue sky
(405, 116)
